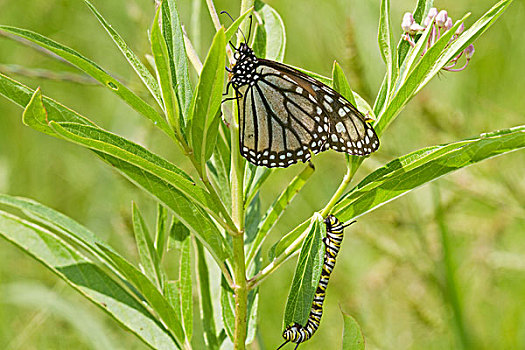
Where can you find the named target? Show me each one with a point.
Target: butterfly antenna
(283, 344)
(346, 225)
(250, 31)
(239, 29)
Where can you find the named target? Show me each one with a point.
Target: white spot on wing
(339, 127)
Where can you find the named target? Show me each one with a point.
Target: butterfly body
(286, 115)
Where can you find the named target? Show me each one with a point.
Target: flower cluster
(440, 22)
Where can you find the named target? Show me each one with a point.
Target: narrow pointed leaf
(137, 65)
(162, 62)
(281, 247)
(22, 96)
(161, 236)
(386, 46)
(151, 294)
(146, 250)
(186, 296)
(414, 79)
(232, 29)
(406, 173)
(353, 338)
(307, 274)
(207, 100)
(467, 38)
(419, 13)
(270, 38)
(36, 296)
(102, 141)
(341, 84)
(208, 316)
(174, 37)
(277, 208)
(87, 278)
(194, 218)
(94, 71)
(227, 311)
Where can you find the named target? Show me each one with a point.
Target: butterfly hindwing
(285, 115)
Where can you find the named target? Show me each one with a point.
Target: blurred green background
(390, 269)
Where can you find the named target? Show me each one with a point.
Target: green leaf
(146, 250)
(183, 209)
(419, 13)
(467, 38)
(228, 310)
(36, 297)
(174, 37)
(162, 63)
(253, 307)
(270, 36)
(341, 84)
(307, 274)
(281, 247)
(386, 47)
(56, 220)
(207, 100)
(161, 236)
(111, 144)
(414, 80)
(186, 296)
(412, 58)
(181, 297)
(232, 29)
(258, 177)
(219, 165)
(194, 218)
(22, 96)
(87, 278)
(277, 208)
(150, 293)
(207, 314)
(418, 168)
(94, 71)
(141, 70)
(381, 97)
(353, 338)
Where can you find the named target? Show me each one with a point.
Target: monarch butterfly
(285, 115)
(297, 333)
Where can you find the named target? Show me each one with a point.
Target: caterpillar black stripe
(297, 333)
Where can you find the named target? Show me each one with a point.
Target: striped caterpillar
(297, 333)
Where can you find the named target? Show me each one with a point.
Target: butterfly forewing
(284, 115)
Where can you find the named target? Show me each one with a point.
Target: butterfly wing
(284, 114)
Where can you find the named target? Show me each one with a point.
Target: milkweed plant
(214, 216)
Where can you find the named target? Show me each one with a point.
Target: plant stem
(239, 268)
(352, 166)
(213, 14)
(290, 251)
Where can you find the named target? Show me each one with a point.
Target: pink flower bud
(448, 23)
(441, 18)
(408, 20)
(414, 28)
(431, 14)
(460, 29)
(469, 51)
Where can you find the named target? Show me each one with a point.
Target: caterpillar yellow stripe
(297, 333)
